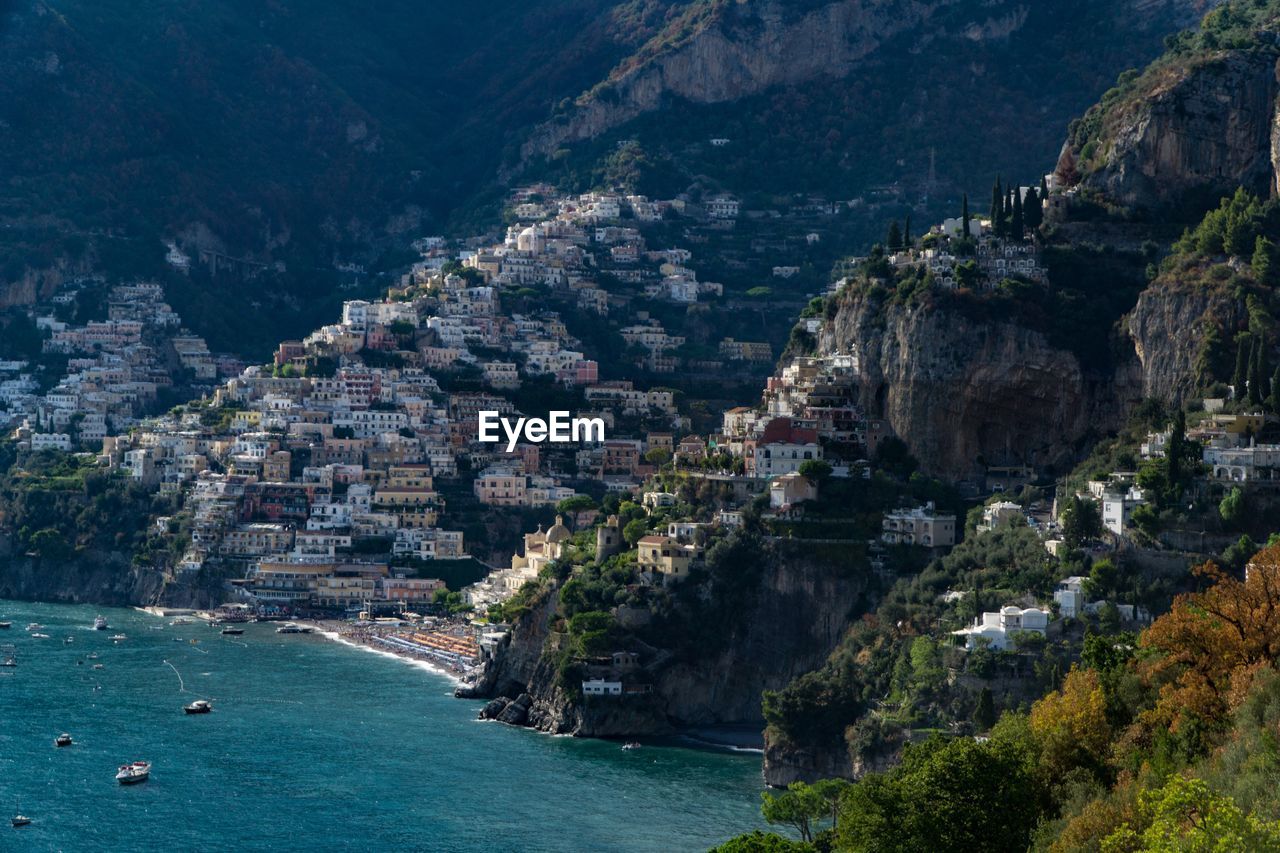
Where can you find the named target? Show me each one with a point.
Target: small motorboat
(98, 666)
(20, 820)
(63, 739)
(99, 623)
(627, 747)
(68, 641)
(38, 636)
(233, 631)
(93, 655)
(34, 626)
(182, 620)
(200, 706)
(4, 626)
(118, 637)
(133, 773)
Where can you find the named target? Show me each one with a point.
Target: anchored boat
(132, 774)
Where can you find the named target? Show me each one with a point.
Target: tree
(964, 217)
(1264, 261)
(1017, 221)
(1080, 521)
(577, 503)
(799, 807)
(1071, 725)
(997, 208)
(1176, 449)
(1255, 372)
(658, 455)
(1231, 508)
(635, 530)
(1186, 815)
(1033, 209)
(816, 470)
(894, 240)
(1241, 374)
(1275, 391)
(984, 715)
(906, 232)
(763, 842)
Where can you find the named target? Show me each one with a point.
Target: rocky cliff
(798, 610)
(1194, 126)
(964, 393)
(719, 50)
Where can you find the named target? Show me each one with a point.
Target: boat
(34, 626)
(93, 655)
(630, 746)
(182, 620)
(132, 774)
(291, 628)
(99, 623)
(20, 820)
(118, 637)
(233, 631)
(8, 655)
(69, 640)
(4, 626)
(200, 706)
(63, 739)
(37, 635)
(98, 666)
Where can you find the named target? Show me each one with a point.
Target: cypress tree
(1263, 369)
(1255, 375)
(1275, 391)
(895, 236)
(1044, 189)
(984, 715)
(1019, 219)
(1032, 212)
(997, 209)
(1175, 450)
(906, 233)
(964, 216)
(1241, 374)
(1008, 212)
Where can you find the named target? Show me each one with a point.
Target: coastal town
(332, 480)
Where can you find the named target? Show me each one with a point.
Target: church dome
(558, 532)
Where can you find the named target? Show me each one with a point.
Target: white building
(999, 629)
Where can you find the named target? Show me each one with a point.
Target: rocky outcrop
(1168, 327)
(1187, 134)
(722, 51)
(799, 609)
(964, 393)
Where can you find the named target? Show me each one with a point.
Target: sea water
(315, 745)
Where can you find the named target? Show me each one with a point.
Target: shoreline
(421, 663)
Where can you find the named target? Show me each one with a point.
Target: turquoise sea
(317, 746)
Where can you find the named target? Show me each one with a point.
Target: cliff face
(797, 614)
(1167, 329)
(963, 393)
(1191, 132)
(720, 50)
(737, 50)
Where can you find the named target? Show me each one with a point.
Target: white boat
(200, 706)
(119, 637)
(63, 739)
(19, 820)
(132, 774)
(34, 626)
(182, 620)
(99, 623)
(37, 635)
(630, 746)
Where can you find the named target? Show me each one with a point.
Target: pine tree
(964, 216)
(1262, 369)
(1275, 391)
(1018, 219)
(1241, 374)
(997, 209)
(906, 233)
(1032, 211)
(894, 240)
